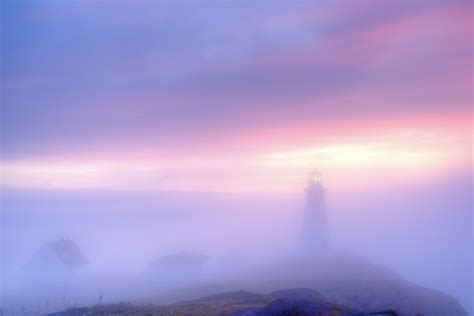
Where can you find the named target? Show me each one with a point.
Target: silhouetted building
(178, 269)
(50, 273)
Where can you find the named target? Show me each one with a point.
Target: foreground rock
(359, 284)
(342, 279)
(303, 302)
(340, 285)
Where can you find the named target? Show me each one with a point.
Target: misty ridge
(315, 252)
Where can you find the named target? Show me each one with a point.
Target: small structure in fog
(178, 269)
(53, 265)
(315, 234)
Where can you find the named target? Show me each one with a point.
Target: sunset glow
(414, 151)
(234, 115)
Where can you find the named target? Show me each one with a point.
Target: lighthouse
(315, 234)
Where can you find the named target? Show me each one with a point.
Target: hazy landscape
(236, 158)
(121, 233)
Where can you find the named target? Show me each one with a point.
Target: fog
(158, 151)
(422, 231)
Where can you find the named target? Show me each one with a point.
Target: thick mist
(158, 151)
(422, 231)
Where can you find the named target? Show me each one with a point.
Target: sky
(233, 96)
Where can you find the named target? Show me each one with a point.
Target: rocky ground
(343, 280)
(240, 303)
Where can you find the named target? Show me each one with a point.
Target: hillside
(345, 280)
(240, 303)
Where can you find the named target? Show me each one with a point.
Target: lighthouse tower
(315, 235)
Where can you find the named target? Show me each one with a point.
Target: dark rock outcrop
(356, 283)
